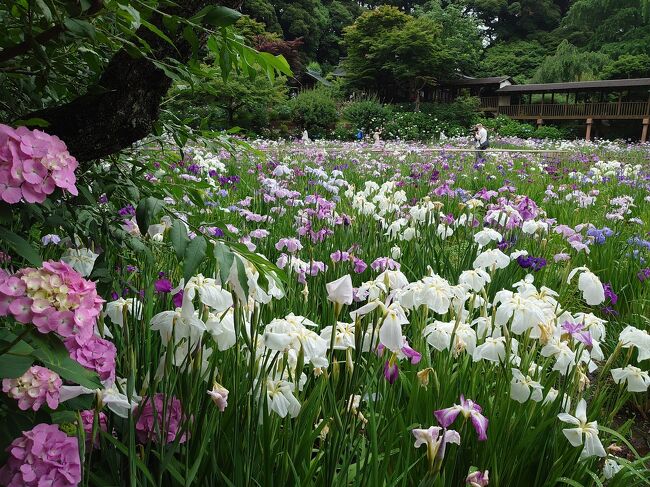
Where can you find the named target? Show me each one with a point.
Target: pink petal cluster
(42, 456)
(87, 421)
(95, 354)
(33, 164)
(34, 388)
(55, 298)
(150, 421)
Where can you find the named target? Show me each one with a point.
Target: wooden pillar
(590, 121)
(644, 131)
(540, 122)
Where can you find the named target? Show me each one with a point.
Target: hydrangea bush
(33, 164)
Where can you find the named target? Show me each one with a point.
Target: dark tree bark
(126, 103)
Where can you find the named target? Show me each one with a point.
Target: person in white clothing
(480, 140)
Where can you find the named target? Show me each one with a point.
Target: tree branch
(125, 104)
(26, 45)
(43, 37)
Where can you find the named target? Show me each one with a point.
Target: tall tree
(303, 18)
(394, 54)
(341, 14)
(263, 11)
(124, 103)
(217, 103)
(615, 26)
(517, 19)
(365, 64)
(628, 66)
(570, 64)
(404, 5)
(519, 59)
(460, 34)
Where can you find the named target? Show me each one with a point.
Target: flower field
(327, 314)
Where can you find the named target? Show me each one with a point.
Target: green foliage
(518, 19)
(50, 72)
(400, 121)
(315, 67)
(394, 54)
(550, 132)
(211, 102)
(593, 24)
(528, 32)
(507, 127)
(462, 111)
(519, 59)
(420, 126)
(303, 18)
(69, 44)
(320, 23)
(314, 110)
(461, 36)
(628, 66)
(341, 14)
(570, 64)
(263, 11)
(367, 115)
(250, 29)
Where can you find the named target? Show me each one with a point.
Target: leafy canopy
(394, 54)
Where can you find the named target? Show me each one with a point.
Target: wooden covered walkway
(623, 99)
(592, 100)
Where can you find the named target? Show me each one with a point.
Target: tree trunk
(126, 103)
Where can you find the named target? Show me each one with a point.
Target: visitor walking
(481, 141)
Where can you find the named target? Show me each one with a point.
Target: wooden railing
(632, 109)
(489, 102)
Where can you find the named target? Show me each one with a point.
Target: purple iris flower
(391, 372)
(163, 286)
(469, 409)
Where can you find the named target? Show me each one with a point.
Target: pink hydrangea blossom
(33, 164)
(150, 421)
(55, 298)
(42, 456)
(34, 388)
(95, 354)
(87, 421)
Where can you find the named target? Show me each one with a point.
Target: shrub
(418, 126)
(315, 111)
(463, 111)
(344, 131)
(507, 127)
(368, 115)
(550, 132)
